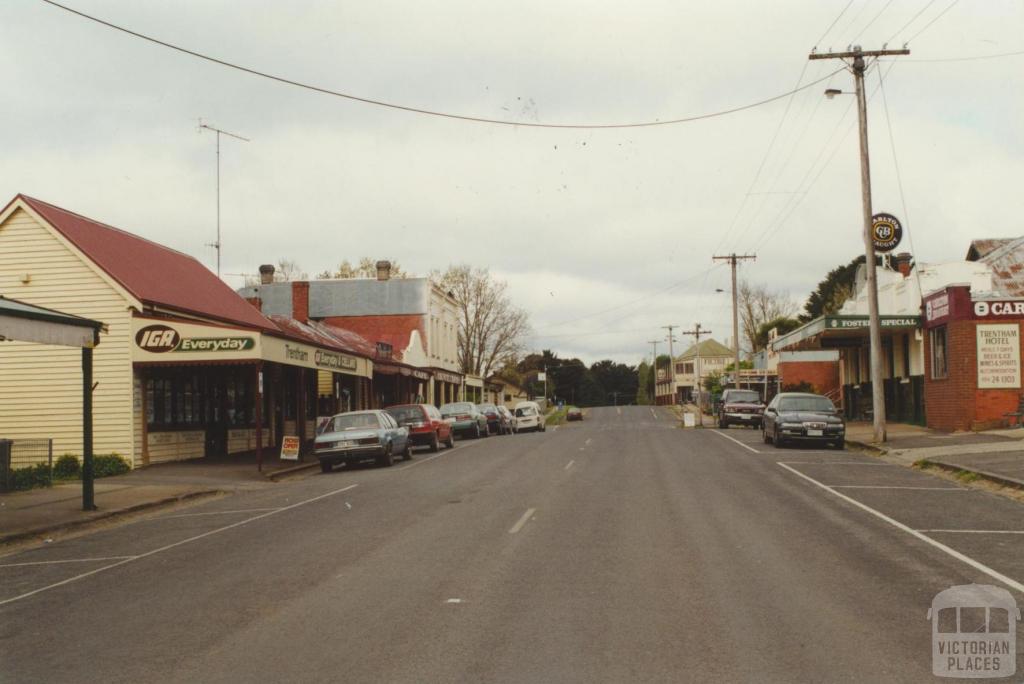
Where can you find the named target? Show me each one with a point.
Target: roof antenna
(216, 245)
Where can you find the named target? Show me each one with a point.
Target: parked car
(466, 418)
(510, 420)
(529, 417)
(426, 425)
(359, 436)
(740, 407)
(799, 417)
(574, 413)
(496, 423)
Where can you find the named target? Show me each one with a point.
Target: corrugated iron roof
(394, 330)
(1007, 264)
(325, 335)
(152, 273)
(985, 246)
(708, 348)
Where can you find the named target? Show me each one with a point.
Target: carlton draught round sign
(886, 232)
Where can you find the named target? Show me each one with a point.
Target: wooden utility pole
(697, 332)
(855, 58)
(732, 259)
(655, 369)
(672, 359)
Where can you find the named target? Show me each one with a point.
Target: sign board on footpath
(290, 448)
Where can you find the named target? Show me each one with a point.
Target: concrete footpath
(39, 513)
(996, 455)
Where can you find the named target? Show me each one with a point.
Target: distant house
(696, 364)
(412, 321)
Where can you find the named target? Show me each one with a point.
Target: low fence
(18, 454)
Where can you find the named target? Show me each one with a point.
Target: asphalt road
(620, 549)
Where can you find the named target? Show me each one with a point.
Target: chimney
(903, 262)
(300, 300)
(266, 274)
(384, 270)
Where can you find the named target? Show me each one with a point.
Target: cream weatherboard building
(186, 369)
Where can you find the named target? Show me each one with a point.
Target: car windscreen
(449, 409)
(743, 398)
(355, 421)
(487, 408)
(525, 411)
(406, 414)
(814, 404)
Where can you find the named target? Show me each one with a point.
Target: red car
(426, 426)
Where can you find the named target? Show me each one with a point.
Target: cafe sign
(998, 356)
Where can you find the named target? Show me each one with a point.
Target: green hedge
(31, 477)
(109, 464)
(67, 467)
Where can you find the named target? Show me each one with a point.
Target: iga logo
(158, 339)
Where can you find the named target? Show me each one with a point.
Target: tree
(832, 292)
(366, 268)
(644, 386)
(783, 324)
(757, 305)
(491, 328)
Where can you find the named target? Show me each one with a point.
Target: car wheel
(764, 436)
(776, 439)
(435, 443)
(326, 466)
(386, 460)
(450, 442)
(407, 453)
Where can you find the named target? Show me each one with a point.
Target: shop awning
(839, 331)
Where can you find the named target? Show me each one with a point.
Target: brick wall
(822, 375)
(956, 403)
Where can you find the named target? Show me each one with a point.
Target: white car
(528, 416)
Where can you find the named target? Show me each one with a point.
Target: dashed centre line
(523, 520)
(569, 465)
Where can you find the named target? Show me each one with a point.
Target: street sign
(886, 232)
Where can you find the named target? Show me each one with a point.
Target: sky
(603, 235)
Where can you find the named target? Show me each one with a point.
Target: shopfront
(215, 391)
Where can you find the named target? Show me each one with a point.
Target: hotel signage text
(998, 356)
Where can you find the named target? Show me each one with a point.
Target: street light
(832, 92)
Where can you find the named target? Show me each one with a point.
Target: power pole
(855, 58)
(697, 332)
(655, 369)
(216, 245)
(732, 259)
(672, 359)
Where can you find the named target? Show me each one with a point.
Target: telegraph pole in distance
(697, 332)
(732, 259)
(672, 359)
(855, 58)
(216, 245)
(655, 367)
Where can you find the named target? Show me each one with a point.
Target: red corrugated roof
(394, 330)
(325, 336)
(154, 274)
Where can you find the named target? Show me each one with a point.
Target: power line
(937, 17)
(418, 110)
(873, 20)
(834, 22)
(912, 20)
(969, 59)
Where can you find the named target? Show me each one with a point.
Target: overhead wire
(912, 20)
(419, 110)
(834, 22)
(974, 58)
(872, 22)
(935, 19)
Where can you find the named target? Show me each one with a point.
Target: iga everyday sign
(998, 356)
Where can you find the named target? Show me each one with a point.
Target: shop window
(239, 401)
(937, 339)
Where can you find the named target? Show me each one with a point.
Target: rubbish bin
(5, 464)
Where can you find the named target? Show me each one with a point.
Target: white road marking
(176, 544)
(733, 439)
(569, 464)
(978, 531)
(618, 410)
(454, 600)
(522, 521)
(922, 489)
(831, 463)
(654, 414)
(587, 443)
(1012, 583)
(193, 515)
(70, 560)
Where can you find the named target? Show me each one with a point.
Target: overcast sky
(603, 235)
